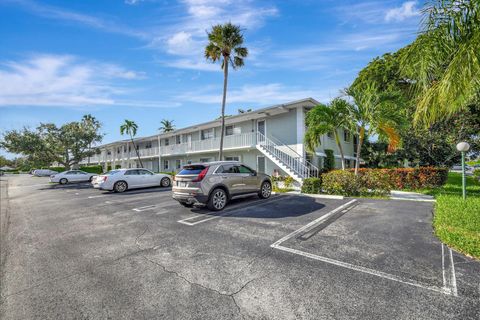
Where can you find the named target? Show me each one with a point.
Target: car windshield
(192, 169)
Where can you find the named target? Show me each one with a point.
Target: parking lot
(73, 252)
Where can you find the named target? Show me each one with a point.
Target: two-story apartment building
(268, 140)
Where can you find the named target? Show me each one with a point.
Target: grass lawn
(457, 222)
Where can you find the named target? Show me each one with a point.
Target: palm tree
(130, 127)
(444, 61)
(92, 124)
(375, 112)
(325, 119)
(167, 126)
(244, 110)
(225, 45)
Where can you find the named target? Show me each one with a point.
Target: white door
(148, 178)
(133, 178)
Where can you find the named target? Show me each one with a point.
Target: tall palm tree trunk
(136, 151)
(361, 134)
(225, 78)
(340, 148)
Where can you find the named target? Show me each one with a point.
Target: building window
(346, 136)
(229, 130)
(178, 164)
(148, 145)
(207, 134)
(330, 135)
(167, 142)
(205, 159)
(178, 139)
(109, 152)
(166, 164)
(232, 158)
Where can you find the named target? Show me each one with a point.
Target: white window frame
(178, 163)
(202, 136)
(347, 136)
(233, 130)
(226, 158)
(178, 139)
(166, 164)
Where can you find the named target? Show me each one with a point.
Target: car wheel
(165, 182)
(218, 200)
(63, 181)
(90, 179)
(187, 204)
(120, 186)
(265, 190)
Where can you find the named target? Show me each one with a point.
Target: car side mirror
(254, 173)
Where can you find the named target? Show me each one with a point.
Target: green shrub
(476, 173)
(341, 182)
(93, 169)
(58, 169)
(329, 163)
(287, 183)
(374, 182)
(312, 185)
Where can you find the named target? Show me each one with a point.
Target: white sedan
(71, 176)
(121, 180)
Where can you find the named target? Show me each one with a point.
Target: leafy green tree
(225, 45)
(324, 119)
(167, 126)
(92, 126)
(375, 113)
(67, 145)
(444, 61)
(129, 127)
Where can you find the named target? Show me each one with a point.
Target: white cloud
(189, 36)
(252, 94)
(407, 10)
(61, 80)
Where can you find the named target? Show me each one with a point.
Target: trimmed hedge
(92, 169)
(379, 182)
(412, 178)
(312, 185)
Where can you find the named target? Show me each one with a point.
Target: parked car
(215, 183)
(71, 176)
(458, 167)
(43, 172)
(121, 180)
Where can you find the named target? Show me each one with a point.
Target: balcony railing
(229, 142)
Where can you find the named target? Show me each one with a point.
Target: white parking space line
(32, 185)
(98, 196)
(449, 289)
(206, 217)
(314, 222)
(448, 270)
(139, 209)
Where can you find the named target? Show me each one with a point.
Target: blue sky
(143, 59)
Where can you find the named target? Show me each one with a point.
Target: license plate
(182, 184)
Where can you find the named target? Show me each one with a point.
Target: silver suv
(215, 183)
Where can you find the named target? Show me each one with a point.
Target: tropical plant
(225, 45)
(244, 110)
(167, 126)
(91, 125)
(375, 112)
(324, 119)
(130, 127)
(444, 61)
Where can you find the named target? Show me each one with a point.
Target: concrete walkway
(412, 196)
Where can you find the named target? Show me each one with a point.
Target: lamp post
(463, 147)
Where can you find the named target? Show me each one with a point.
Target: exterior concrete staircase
(294, 164)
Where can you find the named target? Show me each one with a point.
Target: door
(148, 179)
(231, 178)
(133, 178)
(261, 129)
(261, 164)
(249, 178)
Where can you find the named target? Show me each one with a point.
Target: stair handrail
(315, 168)
(293, 163)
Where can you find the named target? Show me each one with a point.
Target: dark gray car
(215, 183)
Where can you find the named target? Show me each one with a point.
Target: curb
(318, 196)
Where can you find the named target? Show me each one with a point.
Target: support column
(300, 131)
(114, 158)
(159, 155)
(104, 156)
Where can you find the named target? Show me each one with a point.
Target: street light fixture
(463, 147)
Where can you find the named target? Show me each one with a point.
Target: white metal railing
(299, 165)
(231, 141)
